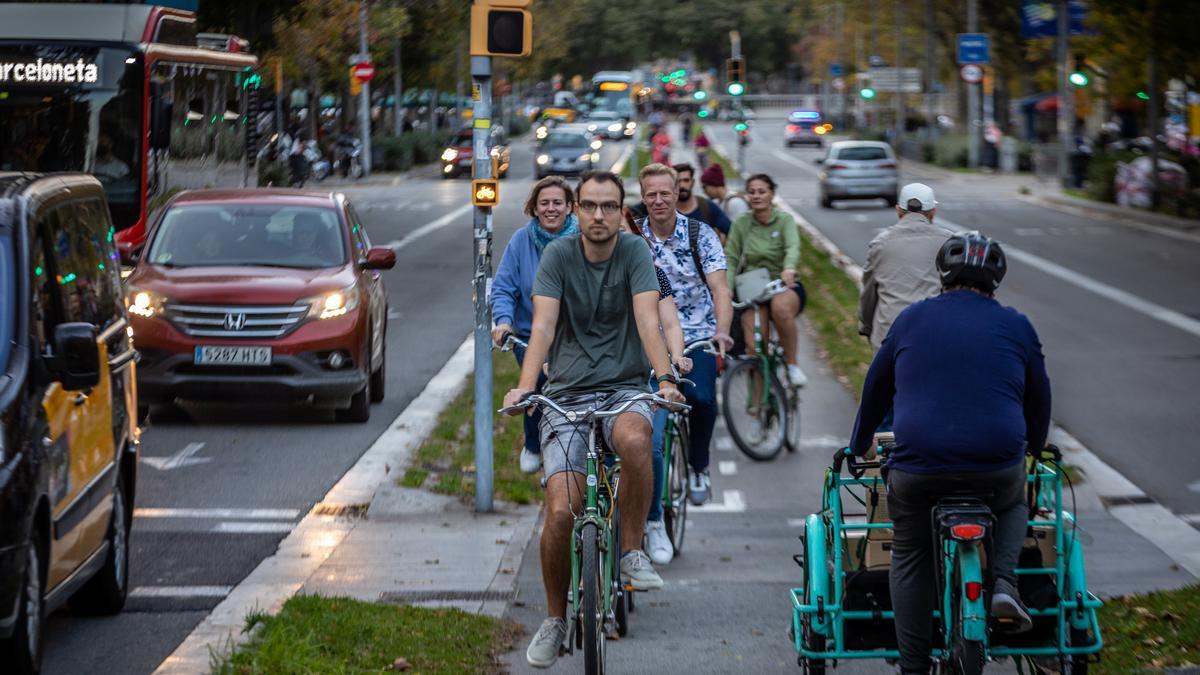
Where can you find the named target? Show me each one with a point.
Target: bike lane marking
(218, 514)
(727, 468)
(180, 591)
(436, 225)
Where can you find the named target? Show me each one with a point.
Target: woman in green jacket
(766, 237)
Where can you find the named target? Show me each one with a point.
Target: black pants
(912, 578)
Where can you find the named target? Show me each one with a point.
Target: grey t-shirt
(596, 343)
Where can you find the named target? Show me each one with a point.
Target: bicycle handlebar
(575, 415)
(509, 342)
(769, 291)
(707, 346)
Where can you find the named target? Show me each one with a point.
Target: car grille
(236, 321)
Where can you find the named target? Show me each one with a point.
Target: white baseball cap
(920, 192)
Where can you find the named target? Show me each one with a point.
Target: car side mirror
(76, 360)
(379, 258)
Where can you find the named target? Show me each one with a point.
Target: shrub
(273, 173)
(950, 150)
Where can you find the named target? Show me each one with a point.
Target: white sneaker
(530, 462)
(658, 544)
(543, 650)
(796, 375)
(699, 488)
(636, 571)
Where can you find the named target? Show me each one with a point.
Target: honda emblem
(235, 321)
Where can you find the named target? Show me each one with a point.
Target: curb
(1121, 498)
(315, 538)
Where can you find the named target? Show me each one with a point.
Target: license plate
(232, 356)
(863, 189)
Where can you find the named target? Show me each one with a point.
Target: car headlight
(585, 157)
(592, 127)
(333, 304)
(596, 144)
(449, 155)
(615, 126)
(542, 132)
(143, 303)
(595, 158)
(543, 159)
(631, 125)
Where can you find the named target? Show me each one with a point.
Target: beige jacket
(901, 269)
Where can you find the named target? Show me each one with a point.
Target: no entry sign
(363, 72)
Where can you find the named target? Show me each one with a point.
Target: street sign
(885, 80)
(364, 72)
(485, 192)
(836, 70)
(971, 73)
(838, 84)
(974, 48)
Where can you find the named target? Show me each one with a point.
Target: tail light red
(793, 128)
(967, 531)
(974, 590)
(888, 165)
(835, 167)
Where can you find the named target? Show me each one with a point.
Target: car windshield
(209, 235)
(462, 140)
(566, 140)
(862, 153)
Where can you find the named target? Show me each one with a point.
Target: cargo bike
(843, 611)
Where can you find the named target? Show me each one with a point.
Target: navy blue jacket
(967, 381)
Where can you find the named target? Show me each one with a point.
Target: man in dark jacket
(968, 384)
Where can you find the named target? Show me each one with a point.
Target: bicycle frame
(827, 617)
(597, 509)
(769, 354)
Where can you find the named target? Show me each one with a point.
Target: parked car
(262, 295)
(566, 152)
(459, 155)
(805, 127)
(68, 432)
(859, 170)
(609, 124)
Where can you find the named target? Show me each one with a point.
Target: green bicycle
(760, 404)
(600, 603)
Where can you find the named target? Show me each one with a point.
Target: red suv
(262, 295)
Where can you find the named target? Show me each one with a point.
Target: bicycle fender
(974, 616)
(817, 582)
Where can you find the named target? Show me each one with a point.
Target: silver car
(566, 152)
(859, 170)
(607, 123)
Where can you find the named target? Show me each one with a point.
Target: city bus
(615, 90)
(128, 93)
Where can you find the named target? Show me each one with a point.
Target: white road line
(219, 514)
(1165, 530)
(178, 460)
(727, 468)
(731, 502)
(1191, 518)
(1129, 300)
(723, 443)
(811, 168)
(1194, 487)
(431, 227)
(235, 527)
(180, 591)
(825, 442)
(796, 522)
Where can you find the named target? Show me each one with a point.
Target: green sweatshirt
(775, 246)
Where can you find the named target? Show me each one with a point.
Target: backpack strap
(705, 210)
(694, 244)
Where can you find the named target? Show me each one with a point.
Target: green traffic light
(1143, 95)
(1078, 79)
(866, 92)
(736, 88)
(702, 114)
(700, 95)
(741, 126)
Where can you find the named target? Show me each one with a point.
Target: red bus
(130, 94)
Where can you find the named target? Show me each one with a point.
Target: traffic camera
(501, 28)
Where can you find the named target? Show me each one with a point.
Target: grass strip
(1144, 633)
(314, 634)
(445, 462)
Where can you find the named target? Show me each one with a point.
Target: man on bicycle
(970, 393)
(690, 253)
(595, 316)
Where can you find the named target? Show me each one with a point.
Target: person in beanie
(713, 183)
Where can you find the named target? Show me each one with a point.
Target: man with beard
(595, 315)
(695, 206)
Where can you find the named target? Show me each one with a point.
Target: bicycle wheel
(592, 581)
(675, 496)
(792, 440)
(757, 425)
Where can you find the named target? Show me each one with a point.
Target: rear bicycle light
(967, 531)
(974, 590)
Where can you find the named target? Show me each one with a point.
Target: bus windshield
(75, 108)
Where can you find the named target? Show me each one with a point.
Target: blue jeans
(533, 434)
(701, 420)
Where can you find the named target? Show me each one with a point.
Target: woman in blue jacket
(550, 206)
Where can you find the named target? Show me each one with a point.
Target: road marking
(235, 527)
(731, 502)
(180, 591)
(796, 522)
(1191, 518)
(1194, 487)
(219, 514)
(1129, 300)
(178, 460)
(723, 443)
(1165, 530)
(431, 227)
(727, 468)
(795, 162)
(825, 442)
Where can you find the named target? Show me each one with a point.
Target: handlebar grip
(839, 457)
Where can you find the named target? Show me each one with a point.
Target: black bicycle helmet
(971, 259)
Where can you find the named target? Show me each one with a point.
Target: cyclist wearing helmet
(968, 384)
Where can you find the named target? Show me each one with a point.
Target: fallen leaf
(501, 541)
(726, 558)
(400, 663)
(435, 561)
(756, 632)
(1142, 611)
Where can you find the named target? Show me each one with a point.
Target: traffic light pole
(1066, 112)
(364, 101)
(481, 80)
(974, 126)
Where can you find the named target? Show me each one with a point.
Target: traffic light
(699, 94)
(743, 132)
(1078, 77)
(501, 28)
(485, 192)
(735, 76)
(866, 92)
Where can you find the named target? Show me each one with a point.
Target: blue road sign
(973, 48)
(836, 70)
(1039, 18)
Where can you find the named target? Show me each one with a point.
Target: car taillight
(888, 165)
(967, 531)
(835, 167)
(974, 589)
(793, 128)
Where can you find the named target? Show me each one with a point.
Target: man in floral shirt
(704, 304)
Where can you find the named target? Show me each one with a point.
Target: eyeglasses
(608, 208)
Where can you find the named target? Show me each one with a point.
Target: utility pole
(1152, 119)
(899, 101)
(1066, 109)
(481, 91)
(398, 91)
(930, 114)
(841, 29)
(364, 100)
(973, 125)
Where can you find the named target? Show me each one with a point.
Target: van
(68, 402)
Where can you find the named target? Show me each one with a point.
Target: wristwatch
(669, 378)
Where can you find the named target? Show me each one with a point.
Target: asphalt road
(1123, 380)
(248, 474)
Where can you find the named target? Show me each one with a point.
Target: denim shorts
(564, 443)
